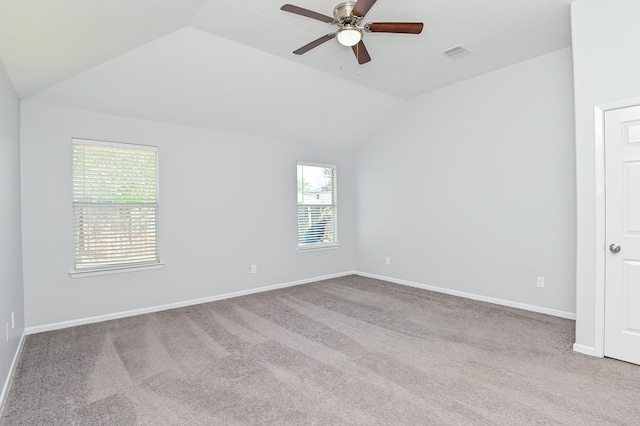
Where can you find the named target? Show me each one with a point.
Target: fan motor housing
(342, 12)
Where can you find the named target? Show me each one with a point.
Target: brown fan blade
(314, 43)
(308, 13)
(361, 53)
(362, 7)
(395, 27)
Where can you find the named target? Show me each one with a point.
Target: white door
(622, 294)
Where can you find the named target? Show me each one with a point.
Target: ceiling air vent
(456, 52)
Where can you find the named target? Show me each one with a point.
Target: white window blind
(317, 206)
(115, 205)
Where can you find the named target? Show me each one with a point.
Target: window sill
(110, 271)
(318, 248)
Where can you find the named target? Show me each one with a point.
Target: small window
(317, 206)
(115, 205)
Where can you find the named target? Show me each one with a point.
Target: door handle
(614, 248)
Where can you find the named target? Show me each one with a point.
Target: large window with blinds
(317, 206)
(115, 205)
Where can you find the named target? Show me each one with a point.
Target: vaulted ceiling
(229, 65)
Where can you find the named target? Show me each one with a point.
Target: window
(317, 205)
(115, 205)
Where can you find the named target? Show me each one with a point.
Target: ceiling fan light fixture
(349, 36)
(348, 16)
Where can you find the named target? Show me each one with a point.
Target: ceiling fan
(347, 16)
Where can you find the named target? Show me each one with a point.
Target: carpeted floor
(348, 351)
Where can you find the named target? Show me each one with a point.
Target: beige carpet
(348, 351)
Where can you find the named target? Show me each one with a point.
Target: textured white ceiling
(499, 32)
(229, 65)
(194, 78)
(43, 42)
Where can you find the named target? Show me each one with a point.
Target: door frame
(601, 210)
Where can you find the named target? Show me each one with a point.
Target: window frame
(323, 245)
(123, 267)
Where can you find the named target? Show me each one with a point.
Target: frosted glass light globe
(349, 36)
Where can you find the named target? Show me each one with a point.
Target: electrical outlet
(388, 260)
(13, 320)
(254, 269)
(540, 282)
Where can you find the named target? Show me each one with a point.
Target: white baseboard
(586, 350)
(532, 308)
(12, 370)
(124, 314)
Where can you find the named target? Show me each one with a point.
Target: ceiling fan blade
(314, 43)
(308, 13)
(361, 53)
(362, 7)
(395, 27)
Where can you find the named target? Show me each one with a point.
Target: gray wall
(471, 188)
(606, 69)
(11, 290)
(227, 201)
